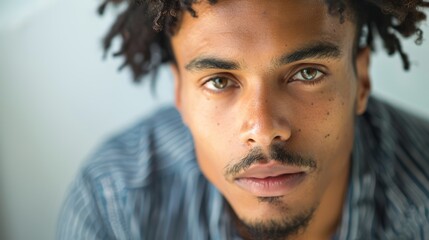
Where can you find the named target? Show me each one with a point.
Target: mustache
(277, 152)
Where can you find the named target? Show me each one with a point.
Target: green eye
(308, 74)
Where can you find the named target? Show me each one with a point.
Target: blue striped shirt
(144, 183)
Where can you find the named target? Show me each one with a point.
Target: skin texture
(266, 102)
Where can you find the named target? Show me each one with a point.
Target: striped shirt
(144, 183)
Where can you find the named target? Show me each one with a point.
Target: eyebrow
(211, 63)
(320, 50)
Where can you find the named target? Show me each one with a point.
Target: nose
(264, 120)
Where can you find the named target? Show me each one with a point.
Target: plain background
(59, 101)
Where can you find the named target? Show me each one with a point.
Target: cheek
(213, 153)
(210, 135)
(206, 117)
(329, 127)
(323, 120)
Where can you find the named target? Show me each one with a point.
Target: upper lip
(270, 169)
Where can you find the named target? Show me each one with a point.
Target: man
(275, 135)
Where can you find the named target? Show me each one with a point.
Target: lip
(270, 179)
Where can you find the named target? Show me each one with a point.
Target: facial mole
(327, 113)
(331, 99)
(342, 103)
(299, 130)
(327, 135)
(312, 103)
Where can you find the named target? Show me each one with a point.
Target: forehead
(239, 27)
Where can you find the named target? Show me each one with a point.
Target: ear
(177, 86)
(363, 79)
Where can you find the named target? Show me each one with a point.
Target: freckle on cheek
(312, 104)
(327, 113)
(327, 135)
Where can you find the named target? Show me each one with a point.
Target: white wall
(408, 90)
(59, 100)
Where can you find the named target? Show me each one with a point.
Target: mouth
(270, 180)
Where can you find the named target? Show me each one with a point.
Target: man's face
(269, 92)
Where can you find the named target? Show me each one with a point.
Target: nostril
(277, 138)
(250, 142)
(262, 131)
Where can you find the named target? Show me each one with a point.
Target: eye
(218, 84)
(308, 75)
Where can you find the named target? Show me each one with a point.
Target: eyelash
(309, 82)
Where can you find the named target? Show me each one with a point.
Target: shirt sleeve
(81, 214)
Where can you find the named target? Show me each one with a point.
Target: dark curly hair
(147, 25)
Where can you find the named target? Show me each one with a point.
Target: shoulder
(396, 120)
(129, 174)
(397, 131)
(154, 144)
(398, 142)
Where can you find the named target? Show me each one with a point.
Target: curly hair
(147, 25)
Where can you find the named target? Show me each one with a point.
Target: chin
(274, 223)
(263, 208)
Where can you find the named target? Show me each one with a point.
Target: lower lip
(271, 186)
